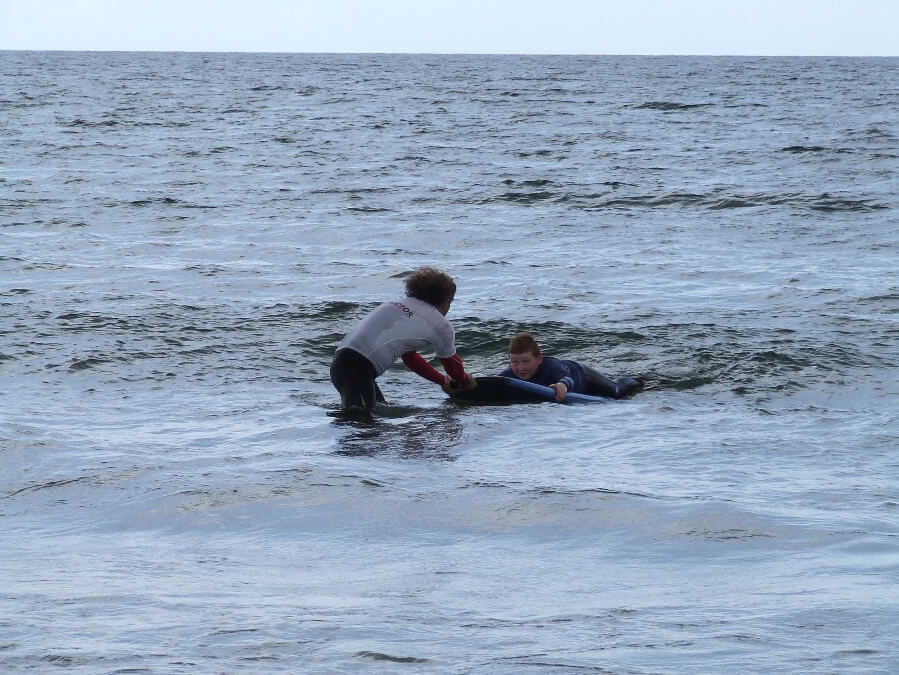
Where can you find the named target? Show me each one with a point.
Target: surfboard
(498, 390)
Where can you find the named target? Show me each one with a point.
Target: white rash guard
(400, 326)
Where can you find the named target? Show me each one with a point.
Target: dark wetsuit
(353, 376)
(579, 379)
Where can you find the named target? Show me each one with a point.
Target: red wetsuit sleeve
(456, 370)
(416, 363)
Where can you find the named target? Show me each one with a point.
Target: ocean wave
(379, 656)
(205, 342)
(669, 106)
(827, 202)
(718, 199)
(680, 357)
(79, 122)
(46, 485)
(163, 201)
(805, 148)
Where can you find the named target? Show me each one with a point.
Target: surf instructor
(397, 329)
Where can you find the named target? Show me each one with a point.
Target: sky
(739, 27)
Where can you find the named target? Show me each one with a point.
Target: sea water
(184, 238)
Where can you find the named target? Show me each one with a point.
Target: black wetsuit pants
(353, 376)
(600, 385)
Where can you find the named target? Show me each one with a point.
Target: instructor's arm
(458, 379)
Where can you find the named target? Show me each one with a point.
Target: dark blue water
(184, 238)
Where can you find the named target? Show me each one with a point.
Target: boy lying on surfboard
(527, 363)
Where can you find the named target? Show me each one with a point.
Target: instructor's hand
(451, 387)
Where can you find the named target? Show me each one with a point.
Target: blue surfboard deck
(496, 389)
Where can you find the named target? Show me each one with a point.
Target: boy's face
(525, 365)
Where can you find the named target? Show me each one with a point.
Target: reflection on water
(401, 431)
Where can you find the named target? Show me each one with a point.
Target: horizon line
(446, 53)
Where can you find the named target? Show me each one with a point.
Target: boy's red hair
(524, 343)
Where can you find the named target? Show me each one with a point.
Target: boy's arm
(557, 373)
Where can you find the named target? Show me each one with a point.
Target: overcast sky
(753, 27)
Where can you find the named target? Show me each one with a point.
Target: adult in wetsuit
(397, 329)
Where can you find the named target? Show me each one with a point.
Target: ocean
(184, 239)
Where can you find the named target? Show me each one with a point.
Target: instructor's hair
(431, 285)
(524, 343)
